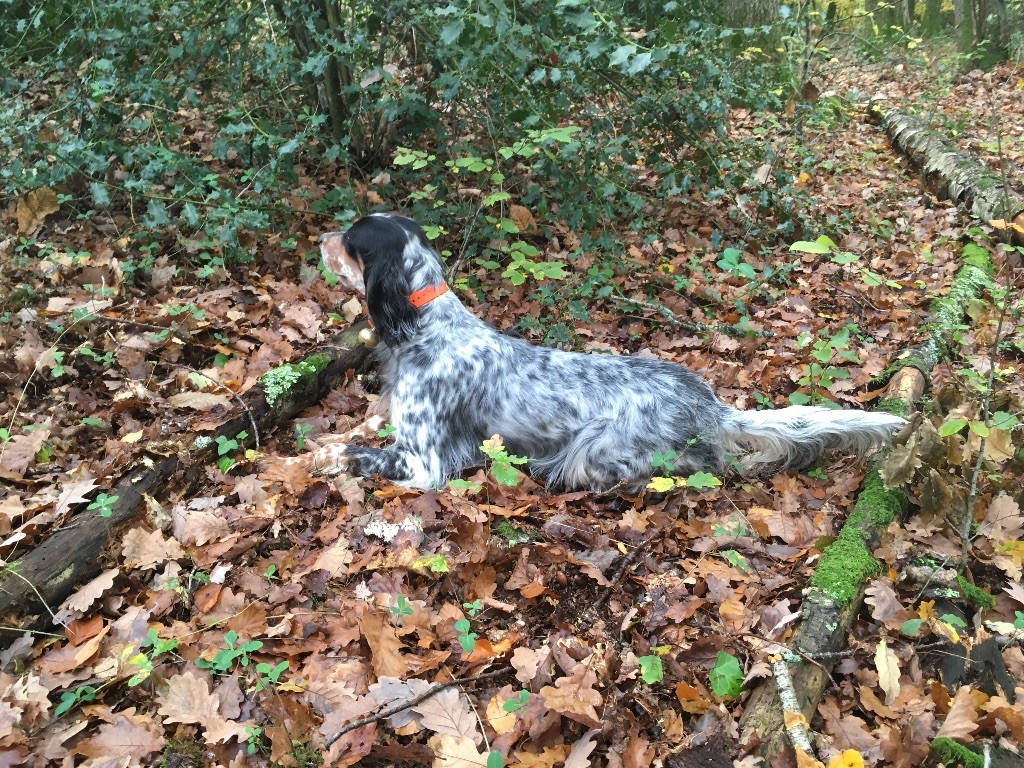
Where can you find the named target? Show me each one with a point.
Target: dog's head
(385, 257)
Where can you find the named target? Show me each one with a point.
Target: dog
(584, 421)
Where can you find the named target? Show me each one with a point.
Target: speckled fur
(584, 421)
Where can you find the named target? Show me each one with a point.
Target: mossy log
(72, 555)
(835, 593)
(837, 586)
(952, 174)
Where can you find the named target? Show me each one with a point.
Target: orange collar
(426, 295)
(423, 296)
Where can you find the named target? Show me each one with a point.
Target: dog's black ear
(380, 244)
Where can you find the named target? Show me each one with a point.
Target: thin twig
(394, 710)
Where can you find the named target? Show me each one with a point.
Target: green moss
(319, 361)
(876, 505)
(975, 596)
(970, 282)
(844, 565)
(279, 381)
(894, 405)
(950, 752)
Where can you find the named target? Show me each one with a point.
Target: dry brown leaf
(1003, 519)
(199, 401)
(19, 453)
(334, 559)
(501, 721)
(522, 217)
(127, 735)
(148, 549)
(194, 524)
(888, 667)
(81, 601)
(882, 598)
(545, 759)
(385, 647)
(188, 700)
(574, 696)
(962, 719)
(533, 665)
(456, 752)
(448, 712)
(71, 494)
(579, 754)
(33, 208)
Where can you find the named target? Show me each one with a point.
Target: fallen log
(952, 174)
(777, 714)
(780, 709)
(70, 556)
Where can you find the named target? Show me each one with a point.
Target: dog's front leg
(395, 463)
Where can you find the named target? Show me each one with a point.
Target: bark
(953, 174)
(72, 555)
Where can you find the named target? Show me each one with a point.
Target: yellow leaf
(848, 758)
(661, 484)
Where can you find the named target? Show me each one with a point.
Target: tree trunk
(750, 13)
(963, 23)
(932, 22)
(72, 555)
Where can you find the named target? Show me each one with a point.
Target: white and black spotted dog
(584, 421)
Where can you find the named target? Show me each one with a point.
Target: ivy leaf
(726, 676)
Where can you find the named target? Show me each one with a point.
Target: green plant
(71, 699)
(226, 446)
(473, 608)
(232, 653)
(732, 262)
(269, 674)
(698, 481)
(467, 639)
(145, 661)
(301, 430)
(502, 464)
(651, 669)
(726, 676)
(517, 703)
(103, 505)
(401, 607)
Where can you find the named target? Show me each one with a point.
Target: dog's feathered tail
(773, 440)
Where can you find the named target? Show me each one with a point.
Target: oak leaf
(127, 735)
(448, 712)
(574, 696)
(81, 601)
(33, 208)
(385, 647)
(147, 550)
(962, 719)
(456, 752)
(579, 754)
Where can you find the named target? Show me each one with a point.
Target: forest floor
(248, 623)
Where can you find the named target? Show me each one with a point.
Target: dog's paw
(331, 460)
